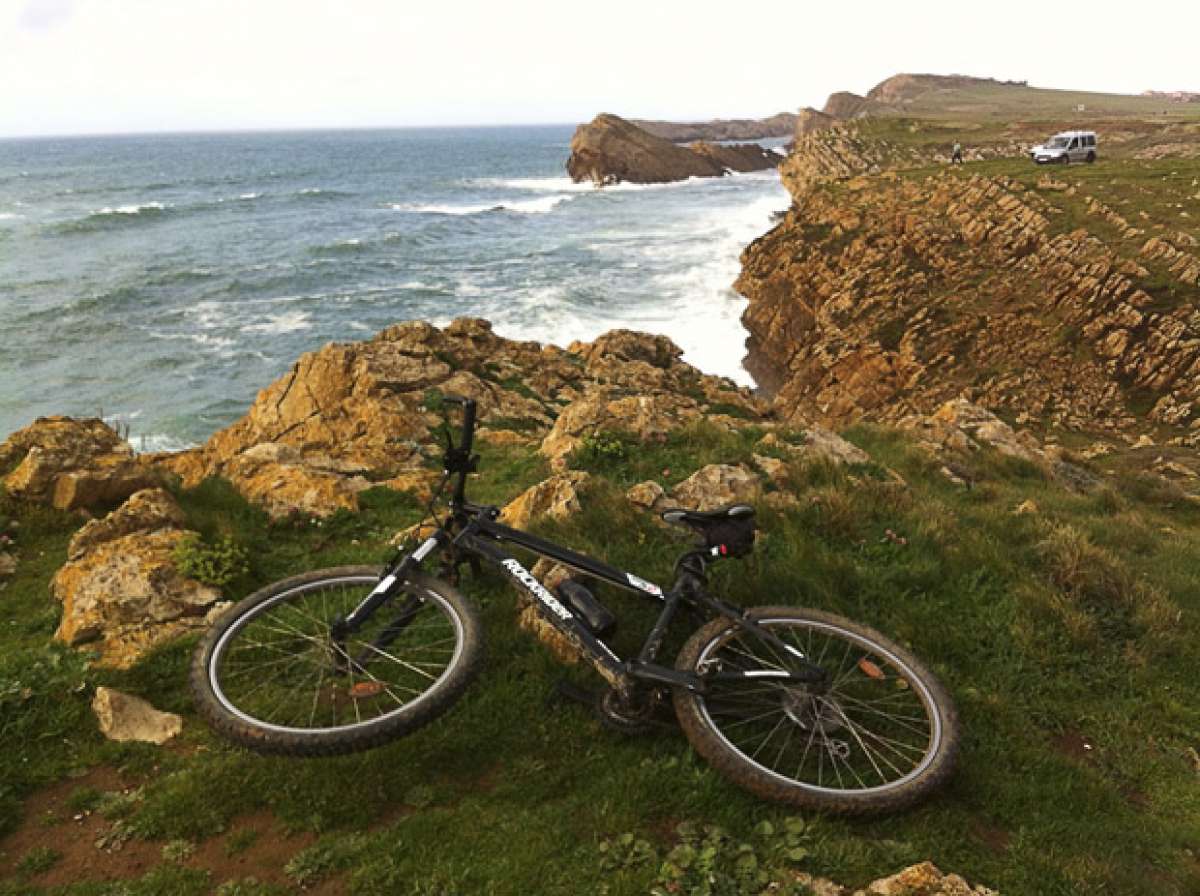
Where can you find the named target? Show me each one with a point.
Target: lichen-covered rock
(716, 485)
(648, 495)
(145, 511)
(352, 415)
(555, 498)
(123, 717)
(925, 880)
(121, 592)
(71, 464)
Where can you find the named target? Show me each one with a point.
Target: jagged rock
(556, 498)
(282, 481)
(607, 409)
(924, 880)
(737, 156)
(123, 717)
(72, 464)
(145, 511)
(891, 298)
(780, 125)
(716, 485)
(811, 120)
(610, 149)
(8, 565)
(352, 415)
(121, 592)
(648, 495)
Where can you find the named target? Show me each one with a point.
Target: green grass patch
(1075, 625)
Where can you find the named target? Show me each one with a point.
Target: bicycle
(795, 705)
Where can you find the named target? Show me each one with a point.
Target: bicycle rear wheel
(880, 735)
(270, 677)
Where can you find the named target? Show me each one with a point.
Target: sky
(116, 66)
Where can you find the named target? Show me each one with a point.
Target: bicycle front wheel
(271, 677)
(879, 734)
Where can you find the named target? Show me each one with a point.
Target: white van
(1069, 146)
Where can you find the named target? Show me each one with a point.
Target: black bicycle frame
(474, 532)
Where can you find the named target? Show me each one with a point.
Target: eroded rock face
(556, 498)
(121, 592)
(716, 485)
(350, 415)
(610, 149)
(72, 464)
(894, 296)
(780, 125)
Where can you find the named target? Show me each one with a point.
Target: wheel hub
(811, 711)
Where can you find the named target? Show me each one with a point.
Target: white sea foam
(148, 442)
(10, 216)
(288, 322)
(526, 206)
(250, 196)
(132, 209)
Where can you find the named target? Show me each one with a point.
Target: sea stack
(610, 149)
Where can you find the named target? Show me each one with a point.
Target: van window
(1074, 144)
(1090, 140)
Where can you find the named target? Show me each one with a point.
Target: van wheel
(1064, 159)
(1091, 157)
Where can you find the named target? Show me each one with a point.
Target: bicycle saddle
(732, 513)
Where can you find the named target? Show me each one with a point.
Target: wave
(118, 216)
(522, 206)
(275, 324)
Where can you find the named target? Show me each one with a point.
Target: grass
(1075, 625)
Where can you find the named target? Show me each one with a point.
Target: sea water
(161, 281)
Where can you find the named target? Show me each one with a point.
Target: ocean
(161, 281)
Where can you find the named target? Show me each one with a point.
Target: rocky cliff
(781, 125)
(610, 149)
(883, 296)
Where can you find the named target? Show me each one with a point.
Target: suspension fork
(390, 585)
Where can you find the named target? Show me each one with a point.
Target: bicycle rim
(277, 668)
(876, 729)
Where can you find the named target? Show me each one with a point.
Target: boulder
(145, 511)
(72, 464)
(8, 565)
(121, 592)
(123, 717)
(925, 879)
(716, 485)
(610, 149)
(555, 498)
(606, 409)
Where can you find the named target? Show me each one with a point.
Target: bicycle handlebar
(468, 425)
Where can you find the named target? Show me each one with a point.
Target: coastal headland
(977, 429)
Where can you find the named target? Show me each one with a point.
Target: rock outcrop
(781, 125)
(72, 464)
(610, 149)
(120, 591)
(353, 415)
(888, 296)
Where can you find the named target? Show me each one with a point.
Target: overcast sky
(104, 66)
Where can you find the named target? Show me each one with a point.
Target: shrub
(215, 564)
